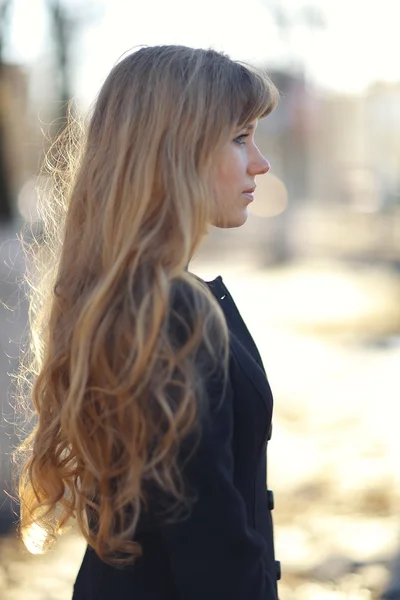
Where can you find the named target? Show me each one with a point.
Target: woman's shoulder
(189, 298)
(195, 317)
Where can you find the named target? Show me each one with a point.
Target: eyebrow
(249, 126)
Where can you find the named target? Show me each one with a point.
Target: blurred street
(329, 335)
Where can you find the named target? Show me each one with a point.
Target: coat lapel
(242, 343)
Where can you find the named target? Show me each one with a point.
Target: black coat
(225, 549)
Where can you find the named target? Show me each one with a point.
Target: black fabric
(224, 549)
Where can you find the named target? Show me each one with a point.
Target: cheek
(229, 177)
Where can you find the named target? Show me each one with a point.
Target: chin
(238, 221)
(231, 222)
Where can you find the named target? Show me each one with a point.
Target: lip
(249, 194)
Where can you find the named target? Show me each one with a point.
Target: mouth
(249, 194)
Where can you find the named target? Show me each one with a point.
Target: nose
(259, 165)
(265, 167)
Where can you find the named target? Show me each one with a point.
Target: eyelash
(239, 137)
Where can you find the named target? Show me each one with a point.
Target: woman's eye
(241, 139)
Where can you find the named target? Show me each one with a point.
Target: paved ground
(329, 336)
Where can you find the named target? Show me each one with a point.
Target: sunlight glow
(271, 197)
(35, 539)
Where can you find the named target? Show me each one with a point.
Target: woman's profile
(152, 406)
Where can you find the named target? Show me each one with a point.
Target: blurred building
(383, 137)
(14, 109)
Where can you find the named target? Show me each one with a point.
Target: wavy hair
(117, 323)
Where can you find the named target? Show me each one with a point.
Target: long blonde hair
(114, 391)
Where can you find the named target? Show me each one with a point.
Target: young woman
(153, 407)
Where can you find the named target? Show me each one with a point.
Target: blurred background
(314, 272)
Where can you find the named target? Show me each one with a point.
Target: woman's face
(234, 177)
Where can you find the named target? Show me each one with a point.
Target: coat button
(271, 502)
(278, 569)
(270, 432)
